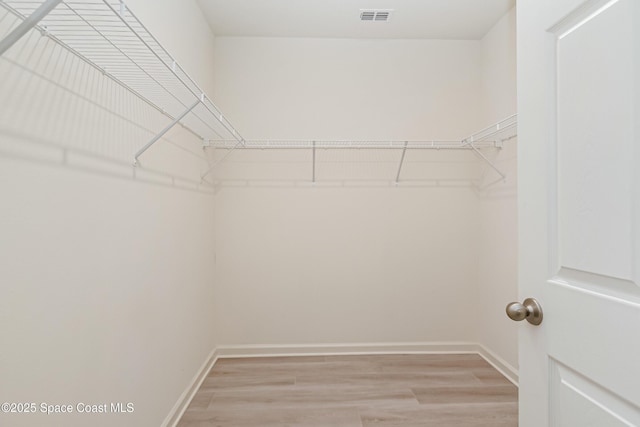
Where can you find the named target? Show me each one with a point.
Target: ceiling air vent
(375, 15)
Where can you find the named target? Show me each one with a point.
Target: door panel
(593, 296)
(596, 335)
(595, 140)
(576, 401)
(579, 202)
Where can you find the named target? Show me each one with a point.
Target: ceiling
(411, 19)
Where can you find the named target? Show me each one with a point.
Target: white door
(579, 211)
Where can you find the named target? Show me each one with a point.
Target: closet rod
(26, 25)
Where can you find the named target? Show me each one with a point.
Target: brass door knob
(529, 309)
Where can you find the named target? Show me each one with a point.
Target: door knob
(529, 309)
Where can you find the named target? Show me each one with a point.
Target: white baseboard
(499, 363)
(185, 398)
(372, 348)
(229, 351)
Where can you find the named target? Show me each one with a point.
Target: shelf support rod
(166, 129)
(26, 25)
(313, 171)
(489, 162)
(404, 150)
(213, 166)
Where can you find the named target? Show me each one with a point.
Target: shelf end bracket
(313, 170)
(487, 161)
(404, 150)
(165, 130)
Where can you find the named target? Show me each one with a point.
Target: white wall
(498, 70)
(363, 263)
(109, 292)
(106, 282)
(350, 265)
(348, 88)
(366, 264)
(184, 32)
(498, 249)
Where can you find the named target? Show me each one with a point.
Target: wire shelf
(345, 144)
(501, 131)
(109, 37)
(491, 137)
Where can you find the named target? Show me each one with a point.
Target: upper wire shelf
(501, 131)
(490, 137)
(108, 36)
(345, 144)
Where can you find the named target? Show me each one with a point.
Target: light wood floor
(362, 391)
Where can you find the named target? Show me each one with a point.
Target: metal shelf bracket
(470, 142)
(313, 170)
(404, 151)
(166, 129)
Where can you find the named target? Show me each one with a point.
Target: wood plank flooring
(358, 391)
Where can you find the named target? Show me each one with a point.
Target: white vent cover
(375, 15)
